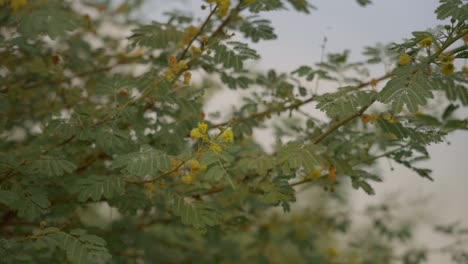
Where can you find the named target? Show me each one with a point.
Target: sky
(346, 25)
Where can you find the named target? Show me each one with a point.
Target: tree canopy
(108, 156)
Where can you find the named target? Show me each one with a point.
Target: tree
(83, 130)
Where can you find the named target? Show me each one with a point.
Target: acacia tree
(82, 130)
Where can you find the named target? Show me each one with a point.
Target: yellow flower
(223, 7)
(447, 69)
(187, 77)
(196, 133)
(195, 167)
(171, 60)
(190, 33)
(314, 175)
(404, 59)
(369, 118)
(187, 179)
(180, 66)
(388, 117)
(169, 75)
(216, 148)
(331, 252)
(18, 4)
(425, 42)
(203, 127)
(227, 135)
(195, 50)
(446, 58)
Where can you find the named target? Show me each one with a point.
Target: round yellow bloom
(223, 6)
(196, 133)
(227, 135)
(180, 66)
(216, 148)
(203, 127)
(18, 4)
(446, 58)
(404, 59)
(447, 69)
(171, 60)
(314, 175)
(187, 179)
(169, 76)
(195, 167)
(195, 50)
(425, 42)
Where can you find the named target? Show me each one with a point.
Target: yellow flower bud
(187, 179)
(404, 59)
(171, 61)
(227, 135)
(216, 148)
(203, 127)
(447, 69)
(425, 42)
(196, 133)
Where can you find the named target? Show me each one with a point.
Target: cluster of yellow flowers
(404, 59)
(200, 132)
(189, 34)
(175, 68)
(425, 42)
(194, 169)
(447, 63)
(223, 6)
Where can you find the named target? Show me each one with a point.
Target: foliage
(92, 122)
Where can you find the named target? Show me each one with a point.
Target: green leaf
(258, 162)
(131, 201)
(257, 30)
(410, 87)
(452, 8)
(296, 155)
(8, 198)
(453, 90)
(52, 166)
(198, 215)
(345, 102)
(79, 246)
(421, 135)
(30, 203)
(215, 173)
(147, 161)
(358, 183)
(156, 36)
(95, 187)
(51, 18)
(265, 5)
(233, 54)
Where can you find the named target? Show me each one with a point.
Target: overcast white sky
(349, 26)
